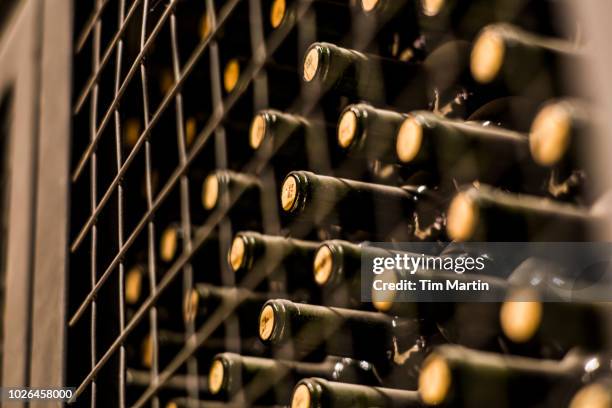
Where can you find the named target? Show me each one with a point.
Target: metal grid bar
(151, 257)
(93, 198)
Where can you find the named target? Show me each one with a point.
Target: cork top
(231, 75)
(432, 7)
(520, 320)
(191, 130)
(236, 253)
(257, 131)
(369, 5)
(204, 26)
(409, 139)
(190, 306)
(311, 63)
(147, 351)
(434, 380)
(171, 405)
(323, 265)
(487, 56)
(289, 193)
(592, 396)
(383, 300)
(210, 191)
(301, 397)
(550, 134)
(131, 131)
(169, 243)
(347, 128)
(215, 376)
(133, 285)
(266, 322)
(462, 218)
(277, 13)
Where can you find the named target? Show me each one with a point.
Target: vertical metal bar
(150, 225)
(93, 197)
(120, 215)
(192, 364)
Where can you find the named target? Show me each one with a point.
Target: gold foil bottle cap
(236, 254)
(257, 131)
(487, 56)
(409, 139)
(347, 128)
(592, 396)
(169, 244)
(550, 134)
(277, 13)
(369, 5)
(231, 75)
(462, 218)
(301, 397)
(216, 376)
(520, 320)
(432, 7)
(133, 285)
(210, 191)
(435, 380)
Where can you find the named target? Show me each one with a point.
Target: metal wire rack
(151, 115)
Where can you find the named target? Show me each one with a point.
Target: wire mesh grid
(155, 93)
(116, 55)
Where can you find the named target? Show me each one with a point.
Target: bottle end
(231, 75)
(257, 131)
(277, 13)
(147, 351)
(487, 56)
(168, 244)
(369, 5)
(383, 300)
(191, 130)
(432, 8)
(266, 322)
(592, 396)
(190, 305)
(204, 27)
(409, 139)
(289, 193)
(434, 380)
(323, 265)
(131, 132)
(216, 376)
(550, 134)
(520, 320)
(301, 397)
(462, 218)
(133, 285)
(311, 63)
(347, 129)
(210, 192)
(236, 254)
(171, 405)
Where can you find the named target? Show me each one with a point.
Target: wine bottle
(242, 192)
(337, 331)
(496, 379)
(461, 152)
(142, 379)
(523, 63)
(320, 393)
(232, 373)
(204, 299)
(486, 214)
(354, 205)
(359, 76)
(287, 260)
(191, 403)
(553, 328)
(291, 141)
(369, 132)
